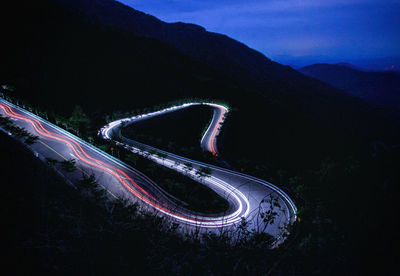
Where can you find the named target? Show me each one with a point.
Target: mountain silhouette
(380, 88)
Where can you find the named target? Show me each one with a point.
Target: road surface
(235, 184)
(243, 193)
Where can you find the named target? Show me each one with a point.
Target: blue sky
(337, 30)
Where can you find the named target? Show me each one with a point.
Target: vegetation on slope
(7, 125)
(316, 142)
(193, 195)
(53, 228)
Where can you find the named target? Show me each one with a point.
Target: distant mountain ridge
(110, 58)
(380, 88)
(216, 50)
(248, 68)
(389, 63)
(311, 139)
(348, 65)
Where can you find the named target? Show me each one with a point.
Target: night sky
(334, 30)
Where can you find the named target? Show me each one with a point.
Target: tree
(205, 171)
(79, 121)
(51, 161)
(69, 165)
(88, 182)
(31, 139)
(188, 167)
(62, 121)
(132, 159)
(268, 211)
(162, 155)
(326, 168)
(8, 87)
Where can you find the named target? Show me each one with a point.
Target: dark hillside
(60, 57)
(307, 137)
(51, 228)
(179, 132)
(380, 88)
(246, 67)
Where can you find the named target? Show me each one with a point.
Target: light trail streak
(120, 175)
(240, 202)
(209, 142)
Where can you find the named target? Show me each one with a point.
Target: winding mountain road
(247, 196)
(248, 191)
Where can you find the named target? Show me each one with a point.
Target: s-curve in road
(251, 196)
(243, 193)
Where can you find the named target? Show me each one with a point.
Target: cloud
(298, 27)
(194, 8)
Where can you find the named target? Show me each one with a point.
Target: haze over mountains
(380, 88)
(308, 137)
(107, 56)
(366, 64)
(216, 50)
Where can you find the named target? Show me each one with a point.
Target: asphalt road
(251, 194)
(244, 193)
(209, 140)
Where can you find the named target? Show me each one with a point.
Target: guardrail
(92, 147)
(163, 111)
